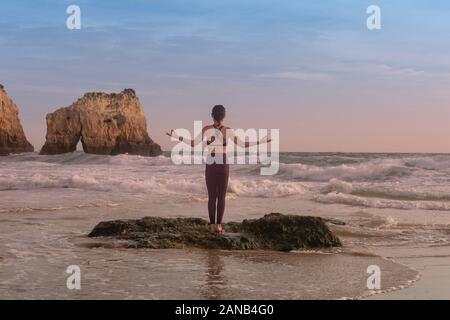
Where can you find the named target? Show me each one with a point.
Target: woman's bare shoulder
(207, 127)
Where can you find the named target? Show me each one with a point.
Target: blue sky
(310, 68)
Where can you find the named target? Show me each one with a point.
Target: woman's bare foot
(216, 228)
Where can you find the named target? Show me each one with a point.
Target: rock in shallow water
(272, 232)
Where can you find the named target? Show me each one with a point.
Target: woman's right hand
(265, 140)
(171, 133)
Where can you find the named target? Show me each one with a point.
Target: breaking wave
(161, 185)
(440, 162)
(380, 181)
(374, 196)
(384, 192)
(340, 198)
(357, 172)
(265, 188)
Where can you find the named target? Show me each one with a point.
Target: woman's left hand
(264, 140)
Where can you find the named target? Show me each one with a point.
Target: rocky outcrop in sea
(274, 231)
(107, 124)
(12, 137)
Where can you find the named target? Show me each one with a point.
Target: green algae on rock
(274, 231)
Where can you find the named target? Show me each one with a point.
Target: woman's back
(216, 139)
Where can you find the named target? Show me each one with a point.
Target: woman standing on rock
(217, 169)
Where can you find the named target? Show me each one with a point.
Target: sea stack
(107, 124)
(12, 137)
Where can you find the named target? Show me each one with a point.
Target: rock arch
(107, 124)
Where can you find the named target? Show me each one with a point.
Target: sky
(311, 69)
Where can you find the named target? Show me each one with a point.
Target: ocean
(48, 204)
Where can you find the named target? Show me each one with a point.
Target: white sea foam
(406, 195)
(125, 178)
(341, 198)
(440, 162)
(381, 181)
(265, 188)
(127, 160)
(163, 184)
(393, 192)
(101, 183)
(355, 172)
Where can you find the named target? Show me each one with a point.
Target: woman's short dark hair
(218, 112)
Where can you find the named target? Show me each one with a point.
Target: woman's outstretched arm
(248, 144)
(190, 142)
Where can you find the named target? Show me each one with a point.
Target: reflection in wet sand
(215, 279)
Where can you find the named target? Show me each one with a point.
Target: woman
(217, 169)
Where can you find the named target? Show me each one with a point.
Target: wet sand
(434, 269)
(37, 247)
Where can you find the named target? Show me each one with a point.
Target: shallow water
(37, 248)
(49, 204)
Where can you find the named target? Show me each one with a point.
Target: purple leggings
(217, 182)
